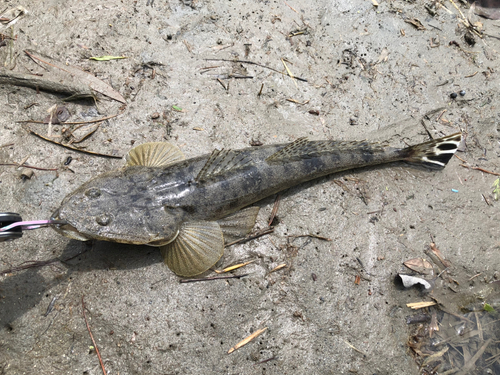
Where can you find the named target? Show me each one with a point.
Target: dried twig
(92, 337)
(296, 101)
(260, 92)
(291, 7)
(222, 84)
(420, 305)
(471, 75)
(246, 340)
(476, 275)
(212, 278)
(480, 169)
(254, 63)
(277, 268)
(265, 360)
(288, 71)
(275, 209)
(74, 148)
(311, 235)
(27, 166)
(486, 200)
(35, 263)
(28, 264)
(71, 123)
(468, 366)
(456, 315)
(251, 237)
(354, 348)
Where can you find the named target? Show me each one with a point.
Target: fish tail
(433, 154)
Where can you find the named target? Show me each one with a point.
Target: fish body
(190, 207)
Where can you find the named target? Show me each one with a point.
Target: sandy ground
(370, 75)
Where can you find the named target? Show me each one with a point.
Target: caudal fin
(435, 153)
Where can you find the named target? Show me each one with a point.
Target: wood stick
(92, 337)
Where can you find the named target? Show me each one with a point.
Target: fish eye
(93, 193)
(103, 219)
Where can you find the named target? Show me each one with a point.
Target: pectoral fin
(239, 224)
(197, 247)
(154, 154)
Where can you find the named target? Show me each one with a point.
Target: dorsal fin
(290, 151)
(222, 161)
(302, 148)
(154, 154)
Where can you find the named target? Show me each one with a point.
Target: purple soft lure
(28, 225)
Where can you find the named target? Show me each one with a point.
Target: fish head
(116, 207)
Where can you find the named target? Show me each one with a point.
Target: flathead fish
(190, 208)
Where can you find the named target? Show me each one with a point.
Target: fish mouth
(66, 229)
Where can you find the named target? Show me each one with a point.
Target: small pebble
(453, 95)
(462, 93)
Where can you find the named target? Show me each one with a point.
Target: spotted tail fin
(435, 153)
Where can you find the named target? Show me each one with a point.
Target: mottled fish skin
(147, 205)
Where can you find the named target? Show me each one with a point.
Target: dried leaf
(384, 56)
(440, 256)
(435, 356)
(433, 325)
(85, 78)
(83, 132)
(419, 265)
(416, 23)
(357, 280)
(487, 12)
